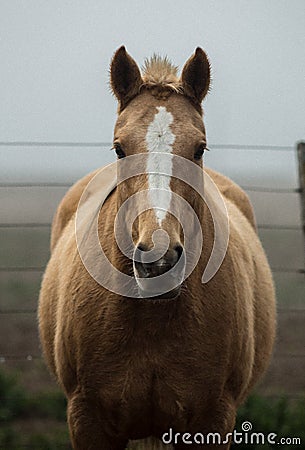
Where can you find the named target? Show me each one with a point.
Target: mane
(159, 72)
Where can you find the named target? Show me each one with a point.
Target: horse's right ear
(125, 77)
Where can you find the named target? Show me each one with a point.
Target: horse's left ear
(125, 77)
(195, 77)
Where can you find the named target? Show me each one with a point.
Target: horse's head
(159, 127)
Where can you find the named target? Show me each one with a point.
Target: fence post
(301, 159)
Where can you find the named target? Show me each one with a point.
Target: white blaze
(159, 140)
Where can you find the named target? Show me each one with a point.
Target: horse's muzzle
(160, 278)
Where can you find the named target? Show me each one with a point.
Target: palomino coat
(133, 368)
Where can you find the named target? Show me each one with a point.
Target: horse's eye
(199, 152)
(119, 151)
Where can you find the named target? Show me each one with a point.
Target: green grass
(281, 416)
(37, 421)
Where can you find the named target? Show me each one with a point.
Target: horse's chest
(149, 395)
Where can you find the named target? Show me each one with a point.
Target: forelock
(159, 72)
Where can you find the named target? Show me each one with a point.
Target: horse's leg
(87, 427)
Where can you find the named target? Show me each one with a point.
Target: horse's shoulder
(67, 207)
(234, 193)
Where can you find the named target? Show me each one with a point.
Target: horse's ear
(195, 76)
(125, 77)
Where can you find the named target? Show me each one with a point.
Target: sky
(54, 75)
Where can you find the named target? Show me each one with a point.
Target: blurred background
(56, 122)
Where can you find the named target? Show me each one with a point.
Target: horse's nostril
(142, 268)
(142, 247)
(179, 250)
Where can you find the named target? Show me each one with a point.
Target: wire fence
(109, 144)
(47, 185)
(67, 185)
(28, 358)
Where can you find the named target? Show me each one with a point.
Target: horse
(164, 357)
